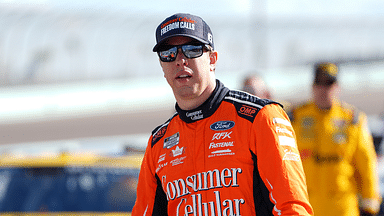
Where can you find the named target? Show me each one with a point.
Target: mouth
(183, 76)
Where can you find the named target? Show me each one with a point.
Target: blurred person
(223, 152)
(337, 150)
(254, 84)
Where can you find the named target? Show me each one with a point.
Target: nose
(180, 58)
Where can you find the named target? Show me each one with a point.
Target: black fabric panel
(263, 204)
(160, 207)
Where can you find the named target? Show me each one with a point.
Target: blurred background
(80, 76)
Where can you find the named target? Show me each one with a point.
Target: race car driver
(224, 152)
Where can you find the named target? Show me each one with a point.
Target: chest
(326, 137)
(213, 151)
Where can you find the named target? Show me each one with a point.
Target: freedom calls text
(190, 194)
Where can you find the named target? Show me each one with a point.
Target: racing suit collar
(207, 108)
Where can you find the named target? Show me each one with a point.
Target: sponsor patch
(282, 121)
(307, 122)
(195, 115)
(340, 138)
(181, 22)
(161, 158)
(160, 166)
(339, 123)
(287, 141)
(222, 125)
(222, 135)
(225, 152)
(248, 111)
(292, 156)
(283, 130)
(220, 145)
(178, 161)
(171, 141)
(178, 151)
(159, 134)
(305, 153)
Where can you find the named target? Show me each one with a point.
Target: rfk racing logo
(188, 193)
(222, 135)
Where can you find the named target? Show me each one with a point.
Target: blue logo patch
(222, 125)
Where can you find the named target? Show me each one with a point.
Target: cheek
(203, 64)
(165, 69)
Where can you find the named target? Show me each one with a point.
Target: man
(337, 150)
(255, 85)
(224, 152)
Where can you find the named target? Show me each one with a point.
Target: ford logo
(222, 125)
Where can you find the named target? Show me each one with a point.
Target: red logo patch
(248, 111)
(159, 134)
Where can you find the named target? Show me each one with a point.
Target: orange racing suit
(236, 154)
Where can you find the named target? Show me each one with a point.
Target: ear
(213, 60)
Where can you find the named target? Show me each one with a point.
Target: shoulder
(355, 113)
(298, 108)
(247, 105)
(160, 130)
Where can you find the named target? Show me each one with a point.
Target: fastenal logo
(222, 125)
(220, 145)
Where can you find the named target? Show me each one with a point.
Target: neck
(325, 106)
(190, 103)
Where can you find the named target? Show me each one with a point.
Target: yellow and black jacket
(339, 159)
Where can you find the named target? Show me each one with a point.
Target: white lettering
(187, 25)
(170, 27)
(221, 135)
(219, 145)
(237, 205)
(178, 206)
(194, 113)
(283, 130)
(223, 176)
(287, 141)
(205, 180)
(184, 189)
(217, 207)
(234, 174)
(282, 121)
(191, 182)
(171, 188)
(228, 210)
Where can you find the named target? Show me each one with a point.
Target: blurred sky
(220, 7)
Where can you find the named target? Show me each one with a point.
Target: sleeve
(279, 162)
(150, 198)
(366, 166)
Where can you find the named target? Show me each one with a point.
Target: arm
(365, 163)
(150, 199)
(279, 162)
